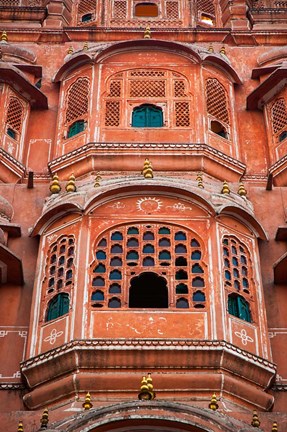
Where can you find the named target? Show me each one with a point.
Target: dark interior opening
(148, 290)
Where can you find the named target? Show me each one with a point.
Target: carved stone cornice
(203, 364)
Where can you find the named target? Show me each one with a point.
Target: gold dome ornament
(55, 185)
(146, 390)
(20, 427)
(274, 427)
(97, 180)
(44, 419)
(199, 180)
(241, 190)
(4, 37)
(147, 169)
(225, 188)
(70, 50)
(222, 50)
(210, 48)
(255, 420)
(213, 403)
(85, 46)
(71, 184)
(147, 33)
(87, 404)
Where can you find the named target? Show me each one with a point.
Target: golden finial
(87, 404)
(147, 33)
(274, 427)
(44, 419)
(86, 46)
(4, 37)
(147, 169)
(98, 180)
(146, 391)
(70, 50)
(199, 180)
(210, 48)
(213, 403)
(222, 50)
(255, 420)
(241, 190)
(71, 184)
(20, 427)
(225, 189)
(55, 186)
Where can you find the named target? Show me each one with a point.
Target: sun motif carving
(149, 205)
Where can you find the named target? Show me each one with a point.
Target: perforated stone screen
(77, 100)
(279, 115)
(216, 100)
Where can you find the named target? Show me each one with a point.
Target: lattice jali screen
(112, 117)
(216, 100)
(120, 9)
(86, 6)
(182, 114)
(206, 6)
(77, 99)
(115, 88)
(179, 88)
(279, 115)
(15, 114)
(147, 73)
(172, 9)
(148, 88)
(10, 3)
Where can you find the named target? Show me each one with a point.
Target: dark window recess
(58, 306)
(282, 136)
(11, 133)
(87, 17)
(148, 290)
(75, 128)
(219, 129)
(147, 116)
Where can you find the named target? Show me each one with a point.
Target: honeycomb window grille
(60, 268)
(143, 253)
(77, 101)
(279, 119)
(14, 118)
(217, 101)
(160, 88)
(237, 277)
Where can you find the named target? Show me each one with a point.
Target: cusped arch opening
(148, 290)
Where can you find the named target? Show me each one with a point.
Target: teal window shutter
(11, 133)
(58, 306)
(147, 116)
(75, 128)
(243, 309)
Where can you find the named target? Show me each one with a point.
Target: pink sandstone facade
(143, 209)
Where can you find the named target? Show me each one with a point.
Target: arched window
(58, 306)
(143, 256)
(239, 307)
(77, 104)
(147, 116)
(148, 290)
(14, 118)
(217, 107)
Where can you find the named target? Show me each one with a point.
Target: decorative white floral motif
(179, 207)
(53, 336)
(51, 237)
(244, 337)
(117, 205)
(10, 148)
(149, 205)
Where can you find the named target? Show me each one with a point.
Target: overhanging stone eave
(190, 157)
(11, 170)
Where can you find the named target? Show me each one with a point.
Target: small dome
(6, 210)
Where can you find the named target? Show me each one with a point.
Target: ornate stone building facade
(143, 167)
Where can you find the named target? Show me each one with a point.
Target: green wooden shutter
(76, 128)
(232, 305)
(147, 116)
(243, 309)
(58, 306)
